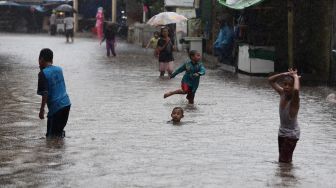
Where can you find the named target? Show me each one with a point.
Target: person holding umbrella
(68, 20)
(165, 45)
(69, 26)
(164, 49)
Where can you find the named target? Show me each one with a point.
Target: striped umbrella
(165, 18)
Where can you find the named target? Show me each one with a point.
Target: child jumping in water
(190, 81)
(289, 131)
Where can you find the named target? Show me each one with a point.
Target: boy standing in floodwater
(51, 87)
(289, 131)
(194, 69)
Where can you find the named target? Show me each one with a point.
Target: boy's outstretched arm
(202, 70)
(43, 103)
(272, 81)
(178, 70)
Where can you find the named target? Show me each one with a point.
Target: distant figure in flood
(51, 87)
(69, 27)
(194, 69)
(223, 45)
(331, 98)
(176, 115)
(289, 131)
(52, 22)
(109, 36)
(165, 48)
(100, 22)
(152, 43)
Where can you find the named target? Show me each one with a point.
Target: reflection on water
(117, 135)
(55, 143)
(286, 175)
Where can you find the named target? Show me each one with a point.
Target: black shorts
(69, 33)
(57, 122)
(286, 149)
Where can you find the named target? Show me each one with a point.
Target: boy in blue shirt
(190, 81)
(51, 87)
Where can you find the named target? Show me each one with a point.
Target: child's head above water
(194, 55)
(177, 114)
(331, 98)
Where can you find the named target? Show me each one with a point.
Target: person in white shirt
(69, 26)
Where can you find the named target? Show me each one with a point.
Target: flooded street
(117, 134)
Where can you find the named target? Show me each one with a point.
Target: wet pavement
(117, 134)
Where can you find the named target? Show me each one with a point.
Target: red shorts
(186, 88)
(190, 95)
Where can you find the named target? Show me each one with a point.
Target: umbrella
(165, 18)
(9, 4)
(65, 8)
(56, 1)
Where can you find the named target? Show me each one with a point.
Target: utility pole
(114, 11)
(75, 6)
(290, 33)
(143, 13)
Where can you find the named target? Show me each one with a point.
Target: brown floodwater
(117, 134)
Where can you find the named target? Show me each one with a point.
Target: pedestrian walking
(165, 47)
(109, 36)
(52, 22)
(69, 27)
(51, 87)
(190, 81)
(100, 22)
(289, 131)
(223, 46)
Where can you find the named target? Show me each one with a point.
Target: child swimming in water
(289, 131)
(177, 115)
(331, 98)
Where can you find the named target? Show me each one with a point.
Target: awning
(239, 4)
(28, 1)
(14, 5)
(57, 1)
